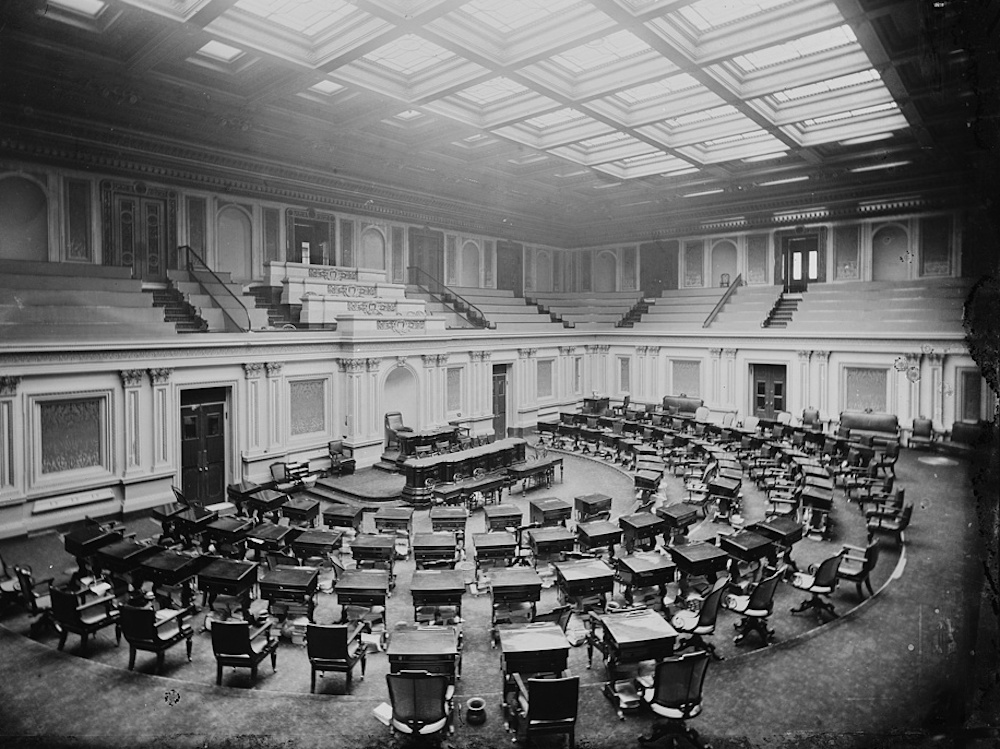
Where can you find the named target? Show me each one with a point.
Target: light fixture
(783, 181)
(877, 167)
(698, 194)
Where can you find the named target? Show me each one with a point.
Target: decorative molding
(131, 378)
(351, 290)
(334, 274)
(715, 352)
(654, 350)
(401, 326)
(8, 384)
(567, 350)
(252, 370)
(730, 352)
(274, 368)
(400, 361)
(160, 376)
(372, 308)
(442, 359)
(372, 364)
(352, 366)
(429, 360)
(526, 353)
(804, 355)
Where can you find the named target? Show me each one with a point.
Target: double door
(203, 445)
(139, 230)
(769, 390)
(500, 401)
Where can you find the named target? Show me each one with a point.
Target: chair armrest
(522, 688)
(177, 615)
(102, 601)
(264, 629)
(363, 627)
(46, 581)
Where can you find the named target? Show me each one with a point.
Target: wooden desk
(495, 546)
(431, 649)
(596, 405)
(316, 543)
(270, 536)
(449, 519)
(343, 516)
(580, 578)
(265, 501)
(748, 547)
(228, 577)
(641, 528)
(483, 490)
(515, 585)
(394, 519)
(678, 516)
(171, 568)
(553, 540)
(781, 530)
(424, 473)
(438, 547)
(376, 550)
(83, 543)
(296, 585)
(629, 637)
(696, 559)
(538, 473)
(644, 569)
(240, 492)
(597, 534)
(122, 557)
(409, 441)
(500, 517)
(591, 504)
(365, 588)
(531, 649)
(228, 530)
(301, 510)
(437, 588)
(549, 511)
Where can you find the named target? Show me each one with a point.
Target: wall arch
(400, 393)
(723, 261)
(470, 264)
(543, 271)
(890, 253)
(605, 272)
(372, 249)
(233, 243)
(24, 219)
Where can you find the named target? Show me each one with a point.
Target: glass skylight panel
(830, 84)
(796, 49)
(702, 116)
(326, 87)
(559, 117)
(508, 16)
(851, 114)
(409, 54)
(603, 141)
(219, 51)
(309, 17)
(662, 87)
(409, 114)
(88, 8)
(492, 91)
(601, 52)
(709, 14)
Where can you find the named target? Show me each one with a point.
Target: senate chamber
(467, 372)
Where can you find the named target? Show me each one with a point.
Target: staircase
(278, 315)
(635, 314)
(218, 300)
(177, 310)
(782, 311)
(543, 309)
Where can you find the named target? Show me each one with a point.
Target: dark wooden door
(203, 445)
(510, 267)
(801, 262)
(140, 235)
(500, 402)
(426, 253)
(658, 267)
(768, 391)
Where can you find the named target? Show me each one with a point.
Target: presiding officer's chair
(394, 425)
(235, 645)
(83, 619)
(422, 703)
(336, 647)
(154, 631)
(676, 696)
(544, 706)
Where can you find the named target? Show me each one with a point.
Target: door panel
(768, 390)
(802, 262)
(510, 267)
(427, 253)
(500, 402)
(139, 228)
(203, 451)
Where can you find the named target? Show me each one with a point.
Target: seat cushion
(685, 620)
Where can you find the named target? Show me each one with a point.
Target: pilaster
(254, 399)
(132, 385)
(159, 379)
(275, 412)
(8, 392)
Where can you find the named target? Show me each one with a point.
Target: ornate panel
(397, 240)
(454, 387)
(450, 261)
(78, 228)
(628, 268)
(545, 379)
(346, 243)
(71, 434)
(865, 388)
(757, 259)
(489, 261)
(846, 242)
(686, 378)
(694, 252)
(307, 406)
(935, 246)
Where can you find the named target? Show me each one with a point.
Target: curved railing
(190, 253)
(444, 294)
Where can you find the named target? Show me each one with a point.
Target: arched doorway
(24, 228)
(372, 249)
(605, 272)
(234, 241)
(890, 254)
(399, 393)
(723, 263)
(470, 265)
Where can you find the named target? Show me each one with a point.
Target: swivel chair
(890, 524)
(696, 624)
(857, 565)
(422, 703)
(83, 619)
(675, 696)
(235, 645)
(755, 609)
(820, 582)
(542, 707)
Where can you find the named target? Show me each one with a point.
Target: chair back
(751, 422)
(922, 428)
(871, 555)
(179, 496)
(762, 597)
(678, 681)
(26, 582)
(810, 416)
(710, 608)
(279, 473)
(826, 575)
(702, 413)
(728, 418)
(891, 452)
(138, 623)
(231, 638)
(417, 697)
(64, 603)
(904, 515)
(553, 701)
(327, 641)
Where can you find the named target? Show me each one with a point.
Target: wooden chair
(755, 608)
(341, 458)
(820, 582)
(890, 524)
(857, 565)
(543, 707)
(38, 604)
(696, 624)
(336, 647)
(10, 588)
(154, 631)
(675, 696)
(235, 645)
(922, 433)
(83, 619)
(422, 703)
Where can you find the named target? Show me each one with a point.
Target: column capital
(935, 358)
(823, 355)
(160, 376)
(274, 368)
(526, 353)
(351, 366)
(654, 350)
(8, 384)
(567, 350)
(429, 360)
(400, 361)
(442, 359)
(131, 378)
(252, 370)
(804, 355)
(372, 364)
(729, 352)
(715, 352)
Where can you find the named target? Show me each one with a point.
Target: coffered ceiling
(571, 122)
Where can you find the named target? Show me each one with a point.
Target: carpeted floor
(891, 672)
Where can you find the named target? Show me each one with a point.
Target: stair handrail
(189, 252)
(435, 288)
(722, 301)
